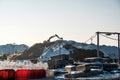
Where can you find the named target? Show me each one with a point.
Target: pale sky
(33, 21)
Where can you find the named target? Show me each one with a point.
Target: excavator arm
(53, 37)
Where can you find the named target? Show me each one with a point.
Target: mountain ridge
(49, 49)
(12, 48)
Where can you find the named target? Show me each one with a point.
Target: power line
(109, 37)
(91, 38)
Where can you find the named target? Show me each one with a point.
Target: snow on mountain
(109, 51)
(11, 48)
(57, 48)
(54, 50)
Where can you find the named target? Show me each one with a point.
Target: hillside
(46, 50)
(80, 54)
(33, 52)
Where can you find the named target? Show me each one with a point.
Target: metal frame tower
(109, 33)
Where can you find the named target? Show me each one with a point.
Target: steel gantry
(109, 33)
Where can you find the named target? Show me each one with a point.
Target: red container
(22, 79)
(23, 73)
(40, 73)
(31, 74)
(7, 74)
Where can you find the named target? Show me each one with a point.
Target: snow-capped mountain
(12, 48)
(58, 48)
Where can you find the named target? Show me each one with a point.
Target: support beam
(119, 48)
(98, 44)
(108, 32)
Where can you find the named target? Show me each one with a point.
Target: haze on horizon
(33, 21)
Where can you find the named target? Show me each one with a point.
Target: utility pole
(91, 40)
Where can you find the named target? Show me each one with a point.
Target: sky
(33, 21)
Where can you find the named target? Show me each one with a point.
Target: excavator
(60, 60)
